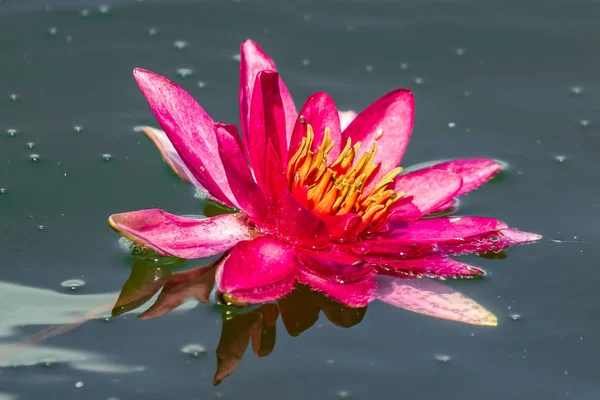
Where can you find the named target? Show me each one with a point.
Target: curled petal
(319, 111)
(429, 188)
(253, 60)
(255, 266)
(474, 172)
(346, 117)
(432, 298)
(189, 129)
(353, 294)
(181, 237)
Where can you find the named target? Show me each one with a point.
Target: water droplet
(107, 157)
(30, 145)
(577, 89)
(34, 157)
(460, 51)
(404, 66)
(515, 317)
(236, 57)
(560, 158)
(180, 44)
(85, 12)
(565, 372)
(2, 190)
(419, 80)
(194, 349)
(53, 30)
(41, 227)
(46, 362)
(14, 96)
(11, 132)
(330, 361)
(451, 124)
(443, 358)
(219, 395)
(77, 128)
(185, 72)
(306, 62)
(201, 84)
(152, 31)
(369, 68)
(79, 384)
(73, 284)
(104, 9)
(584, 122)
(343, 394)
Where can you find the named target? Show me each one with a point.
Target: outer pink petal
(387, 123)
(181, 237)
(489, 242)
(354, 294)
(255, 264)
(253, 60)
(190, 130)
(320, 112)
(429, 188)
(346, 117)
(267, 123)
(247, 193)
(474, 172)
(432, 298)
(431, 267)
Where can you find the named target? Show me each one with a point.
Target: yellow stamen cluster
(337, 188)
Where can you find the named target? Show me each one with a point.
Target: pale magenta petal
(181, 237)
(513, 237)
(320, 112)
(353, 294)
(255, 264)
(434, 299)
(429, 188)
(253, 60)
(431, 267)
(387, 123)
(474, 172)
(247, 193)
(189, 129)
(346, 117)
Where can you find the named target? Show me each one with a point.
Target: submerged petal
(189, 129)
(432, 298)
(429, 188)
(181, 237)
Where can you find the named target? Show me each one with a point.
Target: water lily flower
(319, 197)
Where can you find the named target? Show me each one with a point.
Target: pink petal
(181, 237)
(267, 123)
(429, 188)
(335, 263)
(343, 227)
(387, 123)
(345, 118)
(354, 294)
(253, 60)
(474, 172)
(169, 155)
(432, 298)
(189, 129)
(431, 267)
(493, 241)
(320, 112)
(247, 193)
(255, 265)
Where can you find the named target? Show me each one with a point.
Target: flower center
(337, 188)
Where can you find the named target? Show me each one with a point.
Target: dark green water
(515, 80)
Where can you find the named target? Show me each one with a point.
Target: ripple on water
(73, 284)
(443, 358)
(194, 349)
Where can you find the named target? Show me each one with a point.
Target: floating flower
(318, 196)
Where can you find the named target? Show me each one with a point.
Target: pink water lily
(319, 196)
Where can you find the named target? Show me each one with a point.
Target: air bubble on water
(46, 362)
(404, 66)
(330, 361)
(194, 349)
(369, 68)
(201, 84)
(30, 145)
(73, 284)
(515, 316)
(565, 372)
(180, 44)
(85, 12)
(443, 358)
(185, 72)
(236, 57)
(104, 9)
(2, 190)
(576, 89)
(419, 80)
(79, 384)
(343, 394)
(11, 132)
(53, 30)
(107, 157)
(77, 128)
(560, 158)
(14, 96)
(152, 31)
(584, 122)
(451, 124)
(305, 62)
(41, 227)
(34, 157)
(460, 51)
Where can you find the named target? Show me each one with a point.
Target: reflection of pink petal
(474, 172)
(255, 264)
(190, 131)
(432, 298)
(429, 188)
(353, 294)
(346, 117)
(386, 123)
(181, 237)
(319, 111)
